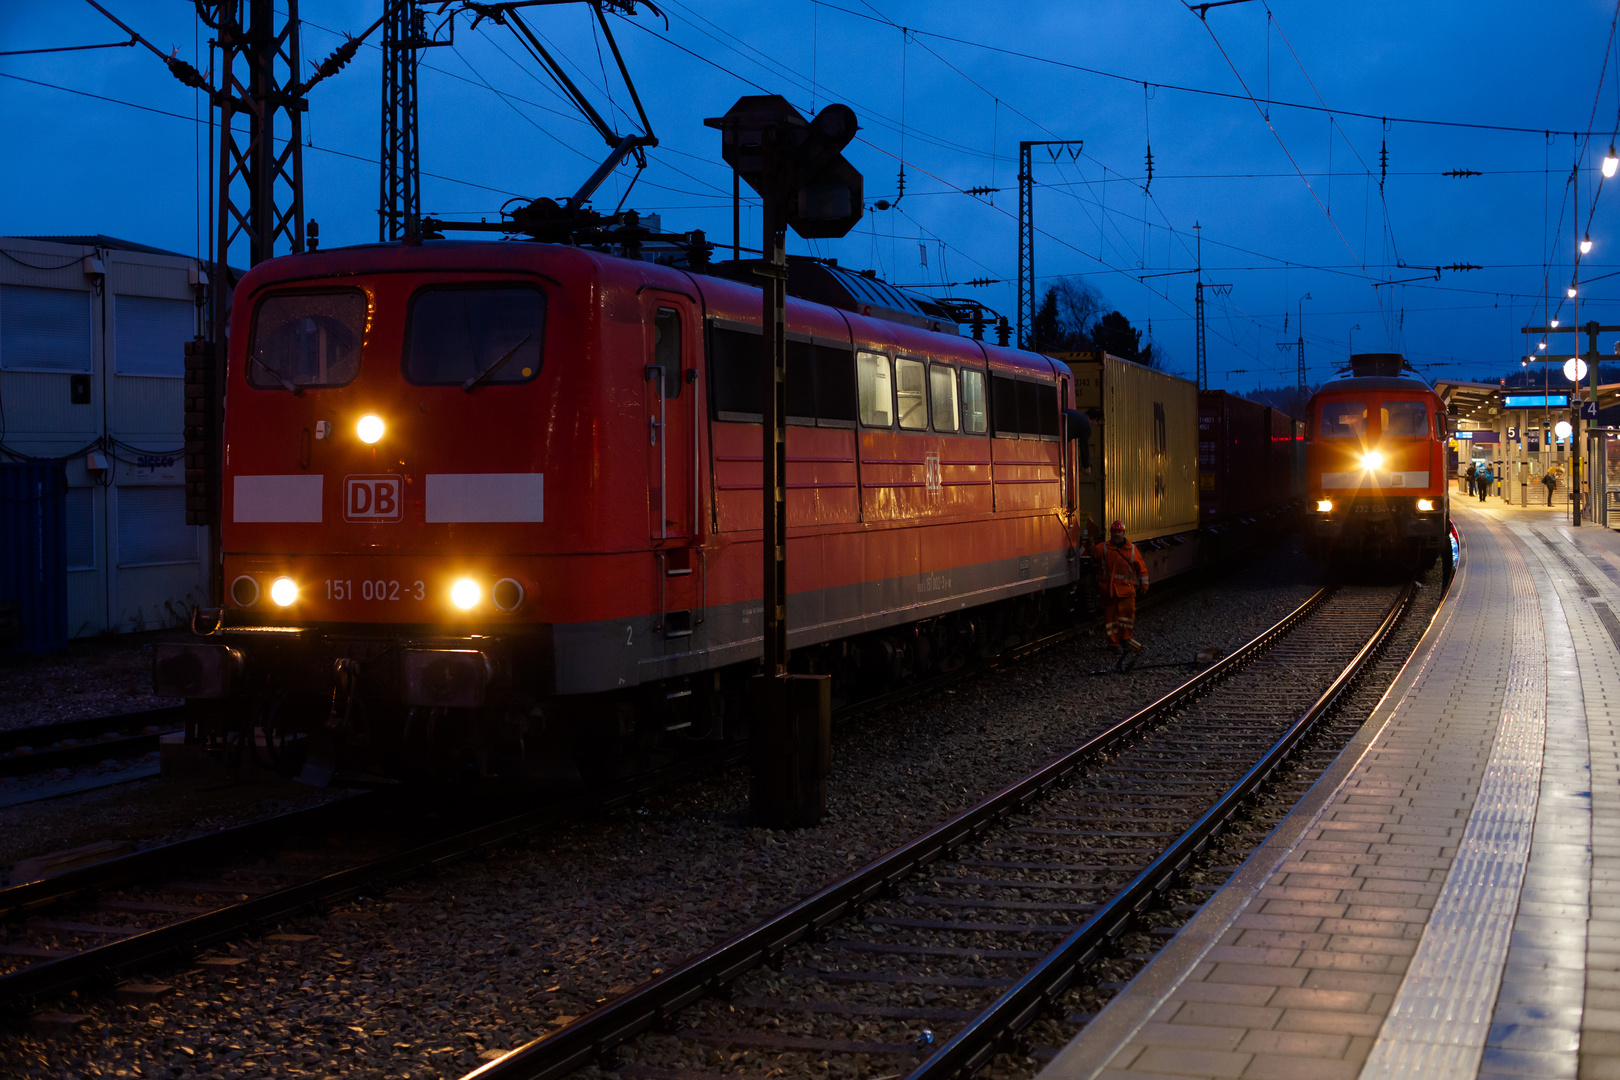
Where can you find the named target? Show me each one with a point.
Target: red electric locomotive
(483, 500)
(1376, 468)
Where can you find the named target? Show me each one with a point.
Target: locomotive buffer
(798, 169)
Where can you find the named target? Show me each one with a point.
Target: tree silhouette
(1066, 310)
(1113, 333)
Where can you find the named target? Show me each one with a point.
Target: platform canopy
(1481, 404)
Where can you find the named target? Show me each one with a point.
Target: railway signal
(799, 171)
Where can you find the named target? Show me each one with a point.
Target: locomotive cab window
(1344, 419)
(872, 382)
(911, 394)
(942, 391)
(482, 335)
(975, 412)
(307, 339)
(1403, 420)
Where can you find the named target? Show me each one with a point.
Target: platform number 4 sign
(1589, 410)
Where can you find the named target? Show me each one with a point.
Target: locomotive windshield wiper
(482, 375)
(292, 387)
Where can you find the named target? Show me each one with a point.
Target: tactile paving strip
(1536, 1026)
(1439, 1022)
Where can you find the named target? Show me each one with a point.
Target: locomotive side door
(670, 328)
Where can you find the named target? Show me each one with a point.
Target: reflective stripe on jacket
(1120, 570)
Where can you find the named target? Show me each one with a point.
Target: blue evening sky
(1288, 205)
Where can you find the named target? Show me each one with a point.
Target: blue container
(33, 557)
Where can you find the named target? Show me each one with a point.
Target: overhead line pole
(399, 204)
(1026, 232)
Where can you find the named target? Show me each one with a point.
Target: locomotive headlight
(370, 428)
(1324, 506)
(465, 594)
(1425, 505)
(1372, 459)
(284, 591)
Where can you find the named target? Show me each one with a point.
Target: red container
(1238, 473)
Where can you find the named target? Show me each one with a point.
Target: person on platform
(1484, 480)
(1473, 472)
(1121, 576)
(1549, 479)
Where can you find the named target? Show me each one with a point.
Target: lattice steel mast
(1026, 231)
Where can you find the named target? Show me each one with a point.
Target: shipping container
(1235, 457)
(1144, 449)
(33, 556)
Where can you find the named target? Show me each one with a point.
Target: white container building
(92, 373)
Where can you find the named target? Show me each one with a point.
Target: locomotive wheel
(274, 744)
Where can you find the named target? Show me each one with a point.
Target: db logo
(372, 498)
(931, 473)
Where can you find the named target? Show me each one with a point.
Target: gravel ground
(446, 972)
(92, 677)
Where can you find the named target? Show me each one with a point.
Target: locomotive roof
(1374, 382)
(917, 329)
(848, 290)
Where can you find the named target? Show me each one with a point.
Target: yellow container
(1144, 453)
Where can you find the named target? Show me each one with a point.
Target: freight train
(490, 502)
(1376, 469)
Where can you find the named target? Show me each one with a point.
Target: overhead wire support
(1026, 229)
(1198, 303)
(399, 203)
(622, 146)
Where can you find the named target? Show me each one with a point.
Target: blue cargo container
(33, 557)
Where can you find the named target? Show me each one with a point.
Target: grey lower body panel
(619, 653)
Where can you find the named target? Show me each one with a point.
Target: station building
(92, 366)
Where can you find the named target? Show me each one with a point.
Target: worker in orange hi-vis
(1121, 575)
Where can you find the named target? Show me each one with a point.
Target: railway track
(87, 741)
(146, 909)
(89, 926)
(149, 907)
(966, 941)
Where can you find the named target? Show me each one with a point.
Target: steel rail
(154, 862)
(89, 753)
(995, 1028)
(46, 734)
(595, 1035)
(49, 756)
(181, 940)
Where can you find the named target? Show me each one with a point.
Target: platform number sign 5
(372, 498)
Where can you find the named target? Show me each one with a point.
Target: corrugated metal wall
(33, 554)
(1146, 473)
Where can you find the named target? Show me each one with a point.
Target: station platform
(1445, 902)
